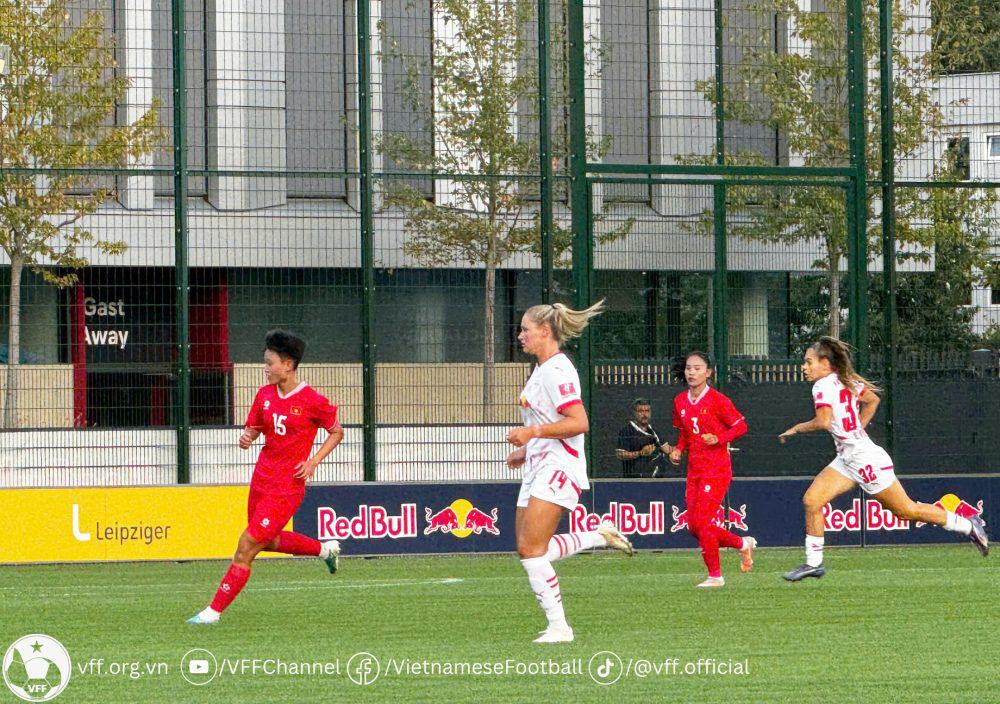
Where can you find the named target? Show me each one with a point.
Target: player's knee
(527, 549)
(812, 502)
(246, 551)
(909, 511)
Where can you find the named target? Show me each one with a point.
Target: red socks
(298, 544)
(232, 584)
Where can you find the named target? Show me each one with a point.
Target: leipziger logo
(37, 668)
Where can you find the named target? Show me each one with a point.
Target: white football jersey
(846, 426)
(552, 388)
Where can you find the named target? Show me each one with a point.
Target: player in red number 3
(708, 422)
(288, 413)
(845, 403)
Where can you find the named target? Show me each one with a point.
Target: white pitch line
(317, 584)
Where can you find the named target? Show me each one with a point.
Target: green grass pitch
(913, 624)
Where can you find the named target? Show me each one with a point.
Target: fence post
(857, 236)
(720, 282)
(887, 110)
(544, 151)
(579, 189)
(182, 390)
(368, 378)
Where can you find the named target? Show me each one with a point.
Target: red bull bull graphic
(625, 516)
(960, 507)
(737, 519)
(371, 522)
(461, 519)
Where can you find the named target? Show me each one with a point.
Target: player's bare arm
(822, 421)
(247, 438)
(308, 468)
(869, 402)
(574, 423)
(516, 458)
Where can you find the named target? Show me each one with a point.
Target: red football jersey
(713, 413)
(289, 424)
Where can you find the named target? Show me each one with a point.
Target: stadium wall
(181, 523)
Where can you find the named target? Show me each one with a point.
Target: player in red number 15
(287, 413)
(845, 403)
(708, 422)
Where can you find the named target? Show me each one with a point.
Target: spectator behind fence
(639, 446)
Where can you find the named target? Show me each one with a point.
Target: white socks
(958, 524)
(814, 551)
(568, 544)
(545, 584)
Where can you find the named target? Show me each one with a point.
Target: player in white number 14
(845, 403)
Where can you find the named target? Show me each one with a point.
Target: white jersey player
(555, 468)
(858, 457)
(845, 403)
(550, 451)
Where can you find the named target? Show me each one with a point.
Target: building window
(995, 296)
(958, 158)
(993, 146)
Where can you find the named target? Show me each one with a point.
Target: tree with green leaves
(965, 36)
(802, 94)
(484, 82)
(58, 97)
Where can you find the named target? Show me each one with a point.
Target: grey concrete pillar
(134, 20)
(593, 56)
(682, 121)
(246, 101)
(747, 318)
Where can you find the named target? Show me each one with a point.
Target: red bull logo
(737, 519)
(625, 517)
(878, 518)
(960, 507)
(371, 522)
(461, 519)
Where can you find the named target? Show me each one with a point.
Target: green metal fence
(398, 181)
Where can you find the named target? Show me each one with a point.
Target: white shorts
(548, 481)
(870, 467)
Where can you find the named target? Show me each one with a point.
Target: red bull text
(626, 518)
(879, 518)
(371, 522)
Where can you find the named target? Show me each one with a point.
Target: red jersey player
(288, 413)
(708, 422)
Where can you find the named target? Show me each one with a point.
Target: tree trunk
(13, 343)
(489, 358)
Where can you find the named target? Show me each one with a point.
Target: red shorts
(704, 497)
(268, 514)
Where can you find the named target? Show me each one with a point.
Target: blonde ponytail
(564, 322)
